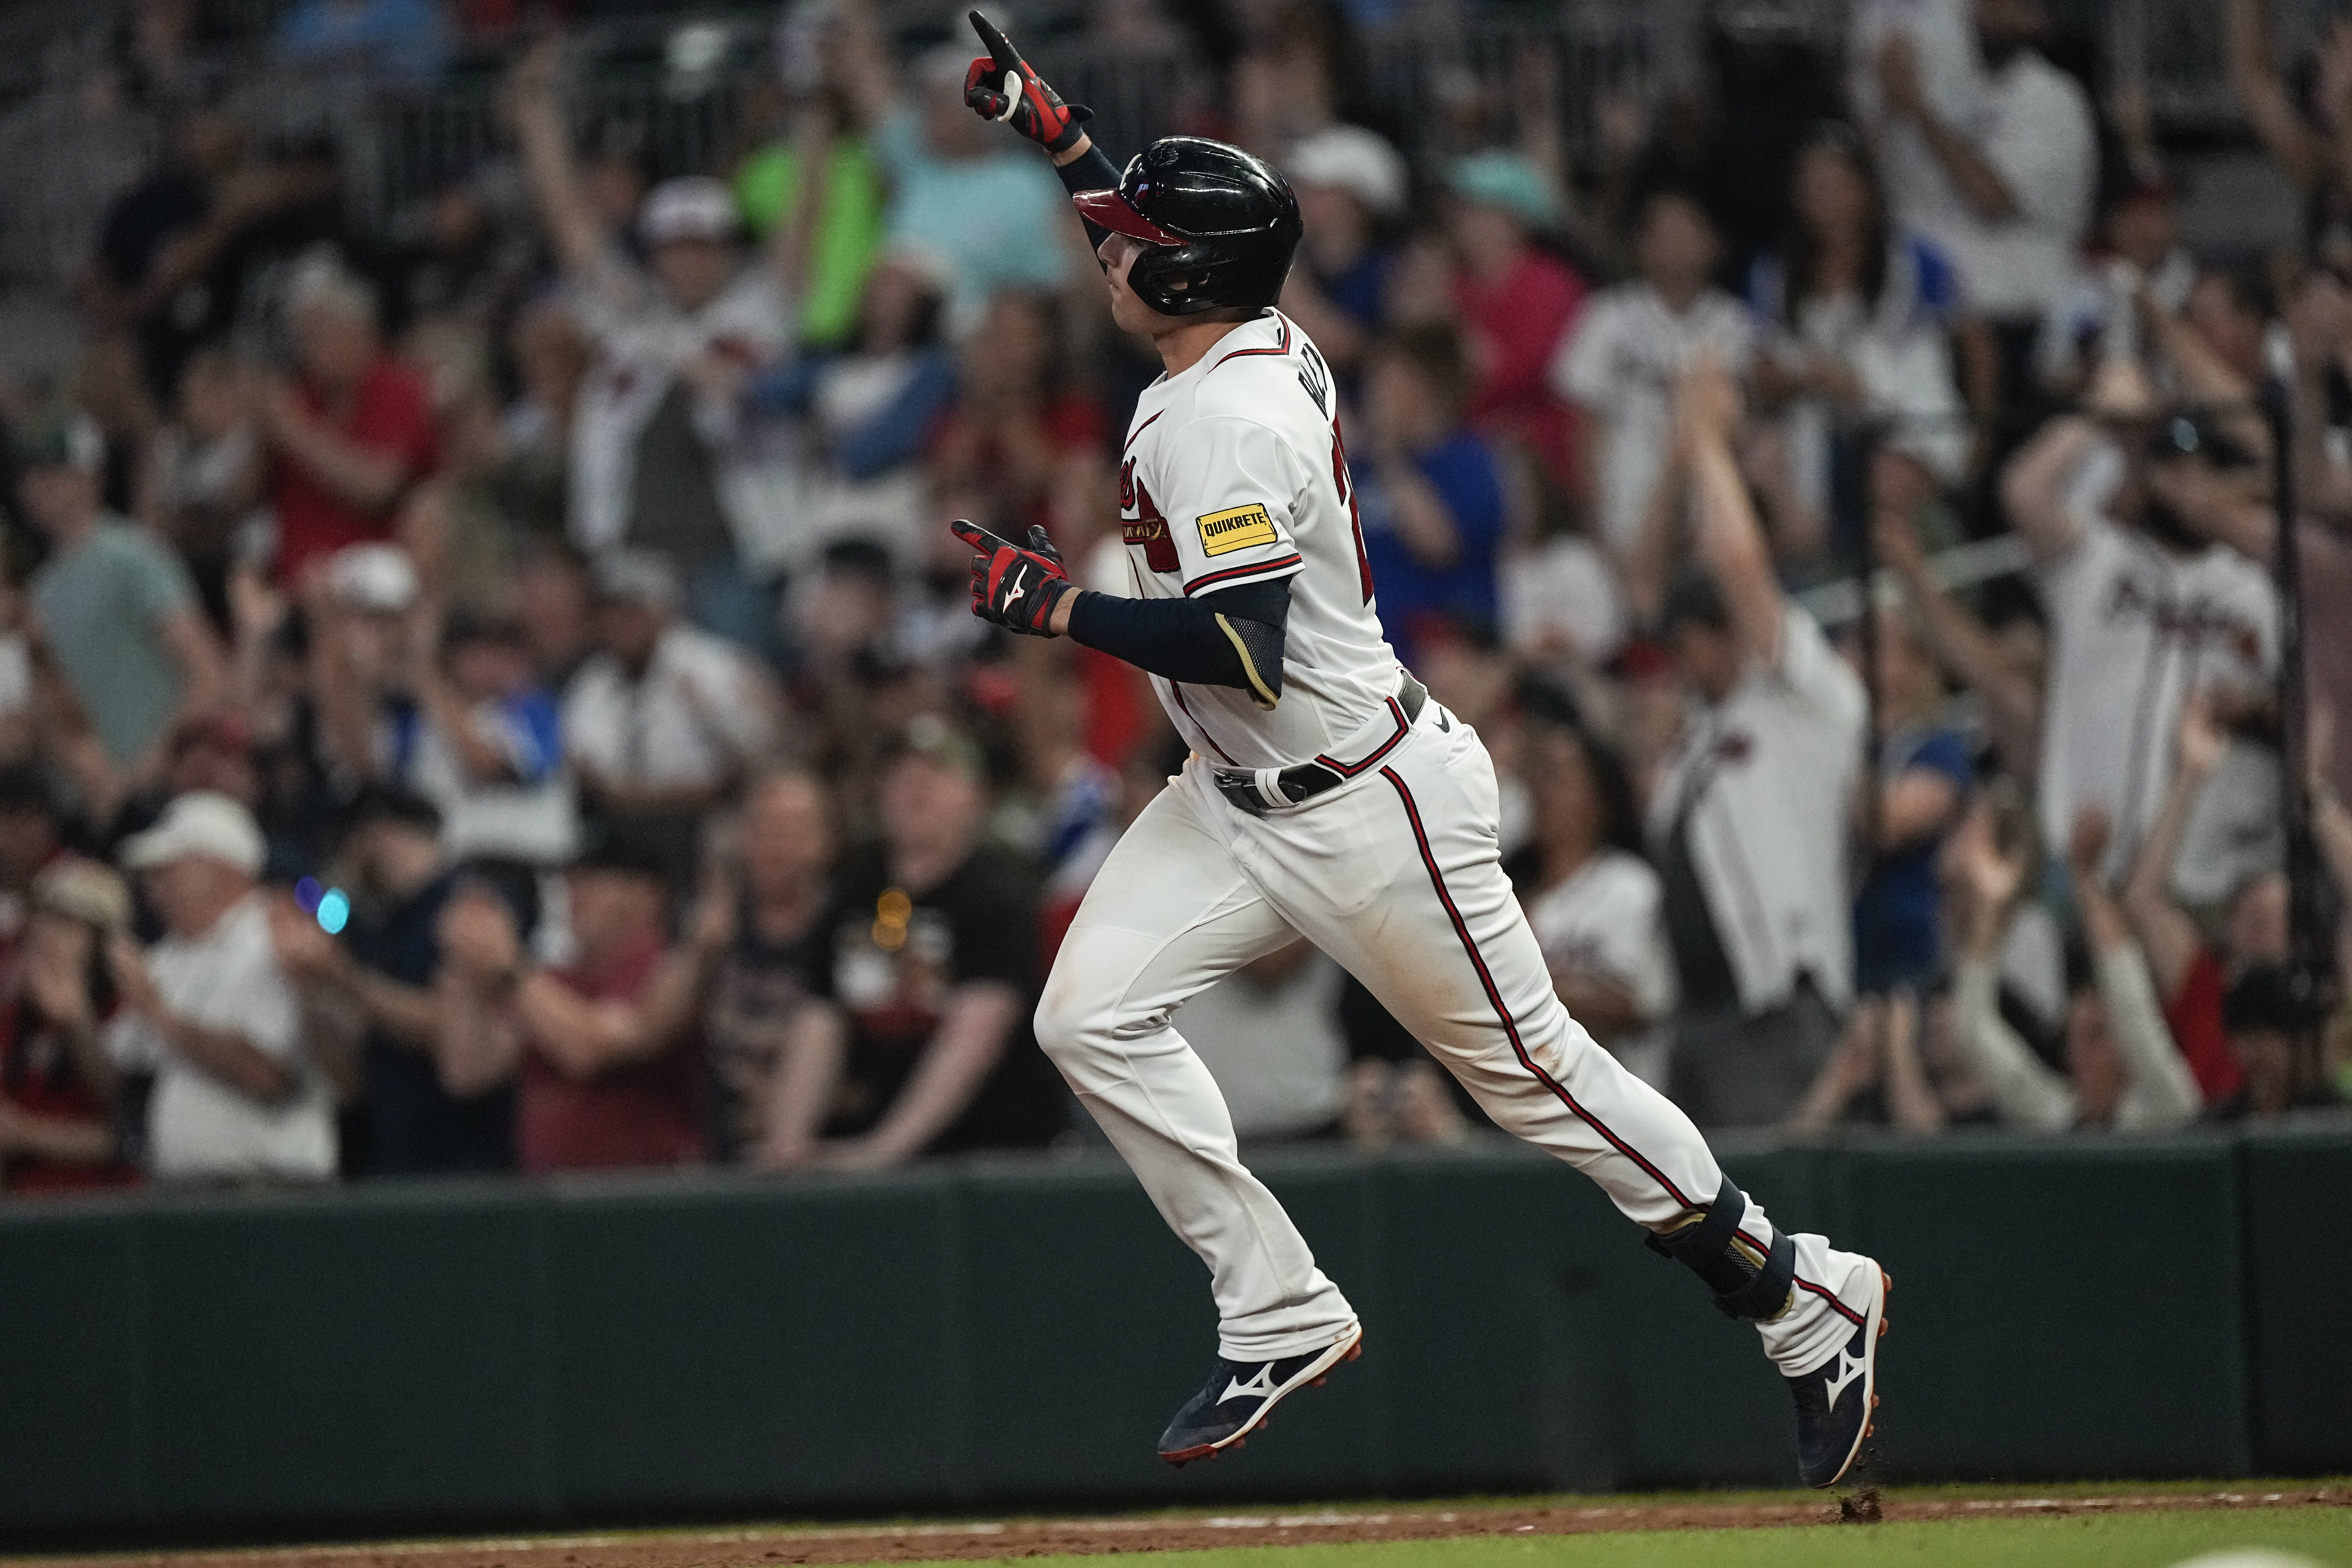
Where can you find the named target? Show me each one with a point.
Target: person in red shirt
(351, 435)
(606, 1051)
(1518, 303)
(57, 1085)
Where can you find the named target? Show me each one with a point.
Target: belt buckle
(1241, 790)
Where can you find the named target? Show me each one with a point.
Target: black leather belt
(1296, 785)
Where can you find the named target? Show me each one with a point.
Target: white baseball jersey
(1235, 472)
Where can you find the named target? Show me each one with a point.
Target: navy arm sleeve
(1193, 640)
(1092, 171)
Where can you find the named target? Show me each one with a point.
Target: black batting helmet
(1219, 223)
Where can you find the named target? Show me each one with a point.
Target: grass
(2118, 1541)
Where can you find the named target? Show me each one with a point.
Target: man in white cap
(210, 1013)
(663, 718)
(1351, 189)
(659, 457)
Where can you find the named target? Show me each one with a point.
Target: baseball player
(1327, 795)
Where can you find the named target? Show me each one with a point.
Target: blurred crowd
(500, 695)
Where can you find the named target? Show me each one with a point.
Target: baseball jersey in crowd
(2134, 628)
(1759, 787)
(390, 414)
(416, 1127)
(890, 960)
(102, 602)
(643, 341)
(1897, 920)
(39, 1078)
(527, 815)
(696, 713)
(1517, 322)
(994, 219)
(1235, 472)
(1561, 602)
(1606, 920)
(200, 1128)
(1943, 38)
(1621, 366)
(757, 988)
(1462, 471)
(640, 1113)
(1274, 1046)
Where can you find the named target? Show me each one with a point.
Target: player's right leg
(1169, 914)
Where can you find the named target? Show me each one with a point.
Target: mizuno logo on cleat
(1258, 1387)
(1849, 1368)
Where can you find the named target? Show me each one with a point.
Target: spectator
(1430, 498)
(1269, 1033)
(199, 485)
(929, 968)
(2143, 610)
(1924, 775)
(2139, 228)
(989, 209)
(843, 214)
(210, 1012)
(112, 607)
(1017, 433)
(351, 436)
(139, 276)
(2005, 186)
(1591, 897)
(762, 987)
(1878, 1074)
(385, 43)
(2003, 672)
(1749, 814)
(2122, 1070)
(604, 1052)
(2193, 973)
(659, 457)
(662, 719)
(451, 711)
(1350, 185)
(1855, 314)
(868, 413)
(388, 966)
(1631, 345)
(29, 841)
(552, 597)
(2268, 1014)
(533, 476)
(58, 1087)
(1517, 304)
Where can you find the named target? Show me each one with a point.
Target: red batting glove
(1002, 86)
(1016, 589)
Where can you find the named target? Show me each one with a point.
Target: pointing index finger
(1000, 47)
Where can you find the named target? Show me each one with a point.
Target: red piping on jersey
(1281, 345)
(1178, 693)
(1139, 430)
(1234, 573)
(1511, 1029)
(1349, 770)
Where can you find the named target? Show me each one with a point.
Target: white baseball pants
(1395, 875)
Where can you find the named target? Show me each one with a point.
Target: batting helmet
(1220, 224)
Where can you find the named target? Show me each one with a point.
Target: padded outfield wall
(418, 1356)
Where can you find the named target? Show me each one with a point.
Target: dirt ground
(758, 1548)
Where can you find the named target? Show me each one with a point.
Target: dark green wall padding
(985, 1334)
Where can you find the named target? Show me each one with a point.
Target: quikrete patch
(1236, 528)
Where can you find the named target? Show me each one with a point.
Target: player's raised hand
(1017, 588)
(1001, 85)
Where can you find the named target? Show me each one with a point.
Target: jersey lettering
(1340, 478)
(1236, 528)
(1315, 376)
(1147, 528)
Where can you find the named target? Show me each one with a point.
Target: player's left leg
(1435, 931)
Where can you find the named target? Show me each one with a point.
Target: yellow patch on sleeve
(1236, 528)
